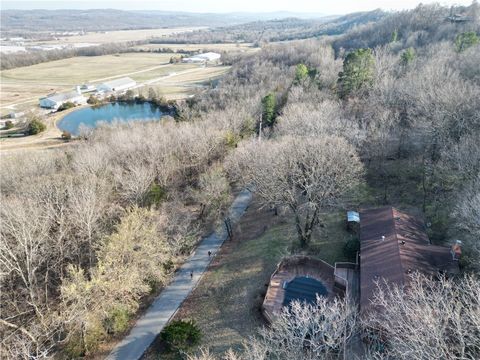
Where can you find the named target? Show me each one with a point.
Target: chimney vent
(456, 250)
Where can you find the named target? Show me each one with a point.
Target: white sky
(220, 6)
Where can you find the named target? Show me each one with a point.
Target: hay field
(121, 35)
(21, 87)
(247, 47)
(26, 84)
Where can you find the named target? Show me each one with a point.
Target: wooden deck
(288, 269)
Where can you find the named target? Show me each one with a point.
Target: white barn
(117, 85)
(54, 101)
(203, 58)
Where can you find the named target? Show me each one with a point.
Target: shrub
(35, 126)
(117, 321)
(351, 248)
(156, 194)
(465, 40)
(93, 100)
(407, 56)
(180, 335)
(8, 124)
(66, 105)
(66, 135)
(231, 140)
(79, 344)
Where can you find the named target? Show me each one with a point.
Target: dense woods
(389, 111)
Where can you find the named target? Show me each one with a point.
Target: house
(394, 244)
(54, 101)
(117, 85)
(203, 58)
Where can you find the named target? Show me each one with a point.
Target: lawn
(226, 304)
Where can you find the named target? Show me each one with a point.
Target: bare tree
(303, 174)
(430, 319)
(302, 331)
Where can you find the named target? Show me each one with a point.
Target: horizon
(216, 7)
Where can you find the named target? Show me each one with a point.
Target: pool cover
(304, 289)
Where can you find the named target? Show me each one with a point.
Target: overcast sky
(317, 6)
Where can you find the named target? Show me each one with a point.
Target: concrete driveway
(170, 299)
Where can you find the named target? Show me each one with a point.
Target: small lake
(121, 112)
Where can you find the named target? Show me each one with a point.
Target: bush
(66, 135)
(465, 40)
(351, 248)
(156, 194)
(66, 105)
(92, 100)
(35, 127)
(8, 124)
(180, 335)
(117, 321)
(78, 346)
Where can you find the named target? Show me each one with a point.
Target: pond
(123, 112)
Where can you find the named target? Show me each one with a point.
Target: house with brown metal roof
(394, 244)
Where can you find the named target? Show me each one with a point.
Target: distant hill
(111, 19)
(278, 29)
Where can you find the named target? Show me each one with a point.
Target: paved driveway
(167, 303)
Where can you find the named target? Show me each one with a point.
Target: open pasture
(103, 37)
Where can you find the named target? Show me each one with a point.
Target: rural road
(170, 299)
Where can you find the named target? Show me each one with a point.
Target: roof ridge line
(398, 246)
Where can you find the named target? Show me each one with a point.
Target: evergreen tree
(268, 109)
(407, 56)
(301, 73)
(358, 70)
(466, 40)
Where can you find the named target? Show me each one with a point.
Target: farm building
(117, 85)
(393, 245)
(203, 58)
(54, 101)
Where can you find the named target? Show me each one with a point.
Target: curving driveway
(171, 298)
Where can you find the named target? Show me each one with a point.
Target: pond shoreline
(122, 111)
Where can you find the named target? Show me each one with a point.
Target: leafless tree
(430, 319)
(303, 174)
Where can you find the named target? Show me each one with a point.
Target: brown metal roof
(405, 248)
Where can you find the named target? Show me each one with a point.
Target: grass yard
(226, 304)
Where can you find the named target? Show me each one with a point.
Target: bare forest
(389, 110)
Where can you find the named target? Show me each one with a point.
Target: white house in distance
(54, 101)
(203, 58)
(117, 85)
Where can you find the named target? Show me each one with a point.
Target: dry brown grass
(120, 35)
